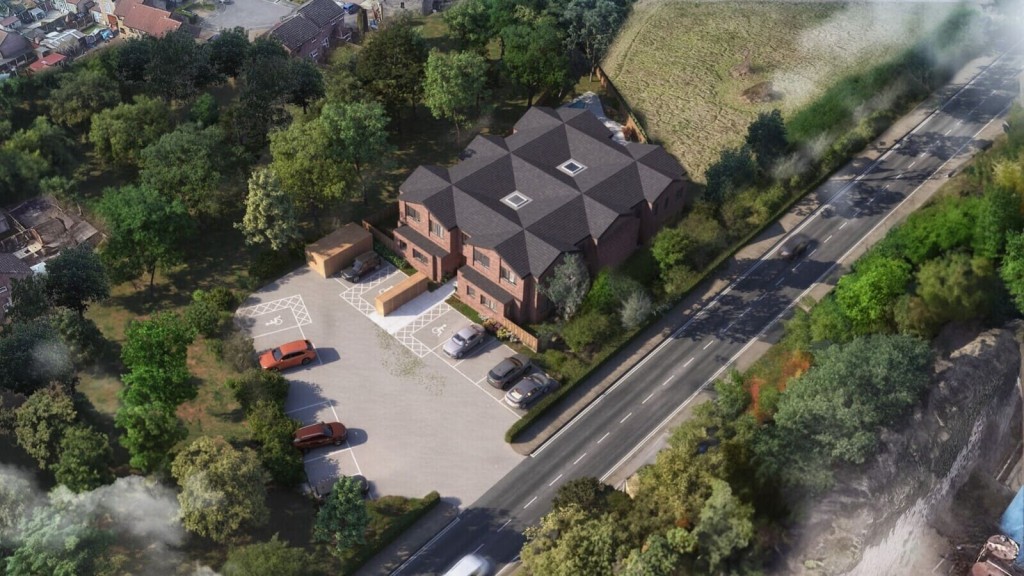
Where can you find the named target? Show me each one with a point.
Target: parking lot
(417, 420)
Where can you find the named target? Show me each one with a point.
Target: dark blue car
(350, 8)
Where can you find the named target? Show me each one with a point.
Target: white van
(471, 565)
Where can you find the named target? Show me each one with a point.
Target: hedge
(387, 527)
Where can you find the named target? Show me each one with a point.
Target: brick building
(310, 32)
(505, 215)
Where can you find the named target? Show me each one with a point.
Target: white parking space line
(321, 403)
(481, 388)
(329, 454)
(261, 335)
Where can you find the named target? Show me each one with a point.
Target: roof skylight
(572, 167)
(516, 200)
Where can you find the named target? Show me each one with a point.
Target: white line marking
(555, 480)
(261, 335)
(827, 239)
(478, 548)
(530, 502)
(811, 253)
(437, 537)
(900, 175)
(577, 461)
(912, 164)
(727, 290)
(309, 406)
(475, 383)
(503, 525)
(947, 132)
(780, 280)
(329, 454)
(669, 379)
(845, 222)
(648, 398)
(606, 434)
(708, 345)
(626, 418)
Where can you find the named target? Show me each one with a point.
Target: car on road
(471, 565)
(299, 352)
(319, 434)
(508, 371)
(363, 264)
(465, 340)
(795, 247)
(529, 390)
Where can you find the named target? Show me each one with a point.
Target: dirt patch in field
(677, 63)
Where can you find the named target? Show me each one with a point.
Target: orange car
(320, 434)
(288, 355)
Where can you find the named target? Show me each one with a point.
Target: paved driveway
(418, 421)
(253, 15)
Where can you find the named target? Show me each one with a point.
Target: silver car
(464, 341)
(529, 390)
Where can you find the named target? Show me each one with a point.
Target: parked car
(350, 8)
(299, 352)
(508, 371)
(471, 565)
(363, 264)
(319, 434)
(795, 247)
(529, 390)
(464, 341)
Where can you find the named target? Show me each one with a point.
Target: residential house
(48, 62)
(135, 19)
(73, 6)
(309, 32)
(11, 269)
(15, 50)
(504, 216)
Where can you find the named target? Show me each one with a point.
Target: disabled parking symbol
(439, 330)
(277, 321)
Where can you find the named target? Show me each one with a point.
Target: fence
(370, 223)
(528, 340)
(633, 126)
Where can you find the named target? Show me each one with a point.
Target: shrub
(204, 317)
(238, 351)
(255, 386)
(80, 334)
(283, 462)
(221, 297)
(609, 290)
(587, 330)
(270, 265)
(636, 308)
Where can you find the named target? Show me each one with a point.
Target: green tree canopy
(469, 23)
(119, 134)
(150, 431)
(75, 278)
(85, 458)
(454, 84)
(28, 299)
(222, 489)
(731, 173)
(568, 541)
(59, 540)
(155, 352)
(391, 64)
(47, 141)
(958, 287)
(228, 51)
(147, 230)
(306, 83)
(1012, 270)
(534, 57)
(269, 213)
(33, 356)
(867, 295)
(726, 525)
(271, 558)
(357, 137)
(80, 95)
(767, 138)
(343, 519)
(188, 164)
(304, 167)
(591, 25)
(41, 423)
(178, 66)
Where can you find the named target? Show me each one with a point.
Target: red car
(319, 434)
(288, 355)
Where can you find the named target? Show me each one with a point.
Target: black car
(508, 371)
(363, 264)
(529, 390)
(795, 247)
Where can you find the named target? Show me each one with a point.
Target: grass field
(673, 61)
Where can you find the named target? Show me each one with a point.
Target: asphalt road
(623, 419)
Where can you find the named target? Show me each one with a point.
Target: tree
(590, 27)
(656, 558)
(266, 81)
(958, 287)
(58, 540)
(307, 84)
(867, 295)
(534, 57)
(80, 335)
(81, 94)
(131, 59)
(304, 166)
(343, 518)
(17, 498)
(187, 164)
(731, 173)
(151, 430)
(391, 65)
(85, 458)
(1012, 270)
(998, 215)
(178, 67)
(726, 525)
(155, 352)
(454, 84)
(767, 138)
(28, 299)
(119, 134)
(274, 430)
(33, 356)
(357, 137)
(636, 308)
(45, 140)
(567, 285)
(469, 24)
(588, 493)
(222, 489)
(568, 541)
(271, 558)
(228, 51)
(671, 248)
(205, 111)
(42, 421)
(146, 231)
(255, 385)
(269, 214)
(75, 278)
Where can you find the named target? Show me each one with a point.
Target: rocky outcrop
(897, 515)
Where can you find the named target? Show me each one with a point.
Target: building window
(436, 229)
(326, 42)
(314, 54)
(401, 244)
(465, 238)
(470, 291)
(411, 213)
(419, 256)
(488, 303)
(3, 289)
(507, 275)
(481, 259)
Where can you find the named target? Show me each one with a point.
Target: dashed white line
(780, 280)
(577, 461)
(708, 345)
(503, 525)
(648, 398)
(626, 418)
(606, 434)
(912, 164)
(478, 548)
(811, 253)
(827, 239)
(947, 132)
(530, 502)
(687, 363)
(559, 477)
(900, 175)
(844, 224)
(669, 379)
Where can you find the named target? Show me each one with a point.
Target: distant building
(48, 62)
(310, 32)
(15, 50)
(135, 19)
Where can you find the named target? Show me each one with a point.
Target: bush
(283, 462)
(636, 308)
(608, 292)
(588, 329)
(222, 298)
(80, 334)
(255, 386)
(271, 265)
(204, 317)
(238, 351)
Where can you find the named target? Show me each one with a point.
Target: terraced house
(505, 215)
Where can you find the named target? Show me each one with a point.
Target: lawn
(695, 105)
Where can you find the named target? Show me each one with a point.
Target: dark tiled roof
(10, 265)
(13, 45)
(480, 281)
(307, 23)
(420, 241)
(323, 13)
(563, 210)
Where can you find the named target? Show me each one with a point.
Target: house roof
(521, 197)
(11, 266)
(307, 22)
(47, 61)
(145, 19)
(13, 45)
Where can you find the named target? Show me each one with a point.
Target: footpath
(655, 334)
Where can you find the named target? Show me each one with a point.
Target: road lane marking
(426, 546)
(503, 525)
(845, 222)
(947, 132)
(827, 239)
(912, 164)
(811, 253)
(648, 398)
(577, 461)
(685, 365)
(669, 379)
(727, 290)
(900, 175)
(626, 418)
(530, 502)
(478, 548)
(606, 434)
(780, 280)
(708, 345)
(555, 480)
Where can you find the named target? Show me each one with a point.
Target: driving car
(794, 247)
(464, 341)
(471, 565)
(299, 352)
(529, 390)
(319, 434)
(508, 371)
(363, 264)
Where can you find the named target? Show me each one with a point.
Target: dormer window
(572, 167)
(516, 200)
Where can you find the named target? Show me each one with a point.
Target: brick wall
(618, 242)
